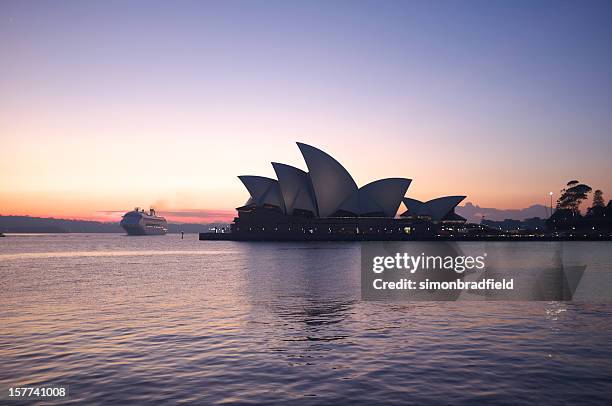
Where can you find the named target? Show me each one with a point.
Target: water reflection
(279, 323)
(308, 290)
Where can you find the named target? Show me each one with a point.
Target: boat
(139, 222)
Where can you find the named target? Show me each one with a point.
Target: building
(325, 203)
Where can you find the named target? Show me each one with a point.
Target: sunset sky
(114, 104)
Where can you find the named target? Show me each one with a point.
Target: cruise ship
(138, 222)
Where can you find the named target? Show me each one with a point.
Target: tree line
(575, 193)
(567, 216)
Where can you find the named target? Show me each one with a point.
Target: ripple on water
(221, 322)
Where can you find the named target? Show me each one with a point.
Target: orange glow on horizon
(61, 181)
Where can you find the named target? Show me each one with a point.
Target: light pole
(551, 212)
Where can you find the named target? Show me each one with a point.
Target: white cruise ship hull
(144, 230)
(140, 223)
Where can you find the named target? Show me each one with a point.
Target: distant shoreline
(21, 234)
(47, 225)
(382, 237)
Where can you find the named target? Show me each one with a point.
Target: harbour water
(136, 319)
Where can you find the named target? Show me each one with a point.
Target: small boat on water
(138, 222)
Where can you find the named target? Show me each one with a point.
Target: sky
(109, 105)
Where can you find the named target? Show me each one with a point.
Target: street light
(551, 209)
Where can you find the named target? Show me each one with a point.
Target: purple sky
(109, 105)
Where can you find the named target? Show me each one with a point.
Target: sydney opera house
(325, 203)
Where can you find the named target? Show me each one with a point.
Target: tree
(598, 207)
(598, 200)
(572, 195)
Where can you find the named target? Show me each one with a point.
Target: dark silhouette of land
(567, 218)
(27, 224)
(474, 213)
(533, 225)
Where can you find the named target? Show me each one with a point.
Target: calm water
(136, 319)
